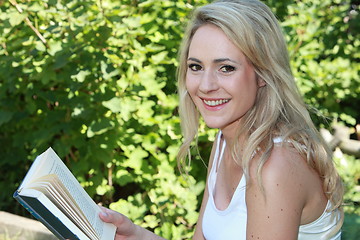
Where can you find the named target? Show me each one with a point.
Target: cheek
(191, 84)
(249, 82)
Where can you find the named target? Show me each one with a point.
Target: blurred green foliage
(324, 41)
(349, 170)
(100, 89)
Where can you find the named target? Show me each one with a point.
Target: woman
(270, 175)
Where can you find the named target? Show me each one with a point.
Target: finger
(110, 216)
(123, 224)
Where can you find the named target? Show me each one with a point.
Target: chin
(214, 125)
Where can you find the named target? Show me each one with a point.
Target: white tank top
(230, 224)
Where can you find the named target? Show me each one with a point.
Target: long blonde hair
(279, 109)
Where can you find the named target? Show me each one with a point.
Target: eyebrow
(217, 60)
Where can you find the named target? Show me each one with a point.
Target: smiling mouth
(214, 103)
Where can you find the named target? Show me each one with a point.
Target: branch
(28, 22)
(341, 139)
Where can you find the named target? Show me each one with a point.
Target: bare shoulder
(275, 204)
(284, 174)
(285, 166)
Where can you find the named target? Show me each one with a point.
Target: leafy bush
(324, 41)
(96, 81)
(101, 90)
(349, 170)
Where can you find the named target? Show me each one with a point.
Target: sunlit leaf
(113, 104)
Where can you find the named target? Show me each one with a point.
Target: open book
(51, 193)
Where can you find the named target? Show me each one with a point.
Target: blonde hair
(279, 109)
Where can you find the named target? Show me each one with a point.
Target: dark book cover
(41, 213)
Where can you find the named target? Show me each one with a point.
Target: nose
(208, 82)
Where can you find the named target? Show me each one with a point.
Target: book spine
(26, 206)
(45, 217)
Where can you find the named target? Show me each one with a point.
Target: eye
(227, 69)
(194, 67)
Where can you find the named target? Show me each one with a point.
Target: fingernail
(104, 214)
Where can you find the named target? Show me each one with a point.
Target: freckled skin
(285, 203)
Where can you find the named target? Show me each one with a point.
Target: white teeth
(215, 103)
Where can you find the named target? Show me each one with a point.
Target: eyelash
(192, 67)
(224, 69)
(228, 67)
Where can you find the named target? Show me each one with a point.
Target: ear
(261, 82)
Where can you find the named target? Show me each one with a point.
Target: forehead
(210, 41)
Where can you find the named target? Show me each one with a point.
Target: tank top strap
(218, 152)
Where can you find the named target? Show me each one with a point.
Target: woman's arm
(277, 214)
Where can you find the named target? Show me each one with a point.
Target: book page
(85, 203)
(52, 164)
(38, 168)
(46, 211)
(52, 187)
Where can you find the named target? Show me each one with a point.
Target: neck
(230, 133)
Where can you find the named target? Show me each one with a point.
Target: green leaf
(16, 18)
(159, 58)
(128, 106)
(132, 22)
(5, 116)
(99, 127)
(135, 159)
(81, 75)
(123, 177)
(151, 221)
(113, 104)
(54, 47)
(103, 188)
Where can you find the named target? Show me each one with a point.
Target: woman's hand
(125, 228)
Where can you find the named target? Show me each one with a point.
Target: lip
(215, 104)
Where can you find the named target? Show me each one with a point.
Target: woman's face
(219, 79)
